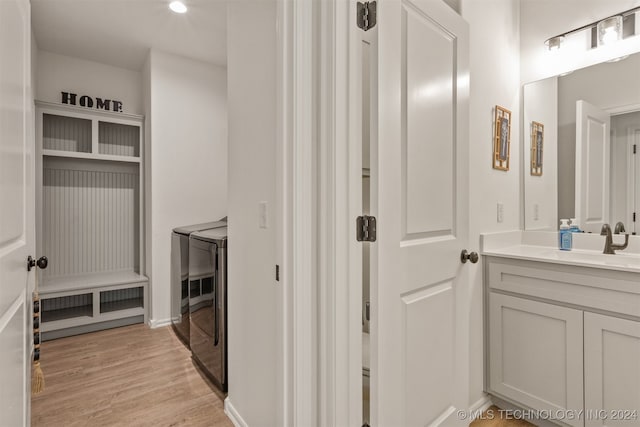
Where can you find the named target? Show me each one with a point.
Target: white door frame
(340, 256)
(297, 217)
(321, 380)
(631, 166)
(322, 383)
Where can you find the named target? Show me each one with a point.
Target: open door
(17, 220)
(419, 314)
(593, 153)
(635, 193)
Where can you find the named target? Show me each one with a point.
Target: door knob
(42, 262)
(466, 256)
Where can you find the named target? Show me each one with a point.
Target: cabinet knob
(466, 256)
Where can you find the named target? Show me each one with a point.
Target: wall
(57, 73)
(253, 294)
(607, 85)
(494, 80)
(541, 105)
(542, 19)
(187, 118)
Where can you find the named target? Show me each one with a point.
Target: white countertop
(542, 247)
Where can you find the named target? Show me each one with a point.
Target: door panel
(611, 371)
(419, 327)
(428, 77)
(423, 336)
(536, 354)
(593, 152)
(17, 199)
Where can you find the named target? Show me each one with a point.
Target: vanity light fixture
(178, 7)
(554, 42)
(609, 30)
(605, 31)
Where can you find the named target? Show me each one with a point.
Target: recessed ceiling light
(177, 7)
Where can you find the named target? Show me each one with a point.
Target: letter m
(102, 105)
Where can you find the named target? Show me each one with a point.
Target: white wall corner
(233, 414)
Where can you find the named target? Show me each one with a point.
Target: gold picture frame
(502, 139)
(537, 148)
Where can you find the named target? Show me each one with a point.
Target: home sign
(89, 102)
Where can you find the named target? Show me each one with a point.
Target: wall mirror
(591, 128)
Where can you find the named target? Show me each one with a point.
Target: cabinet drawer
(612, 291)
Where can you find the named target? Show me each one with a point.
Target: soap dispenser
(566, 237)
(575, 227)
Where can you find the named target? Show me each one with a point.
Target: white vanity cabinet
(564, 339)
(611, 370)
(536, 353)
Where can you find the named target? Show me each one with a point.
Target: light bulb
(177, 7)
(609, 30)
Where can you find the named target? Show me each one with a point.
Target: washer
(180, 275)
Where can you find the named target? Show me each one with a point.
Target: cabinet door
(611, 371)
(535, 353)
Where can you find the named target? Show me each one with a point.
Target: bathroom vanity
(562, 329)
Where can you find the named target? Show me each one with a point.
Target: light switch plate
(500, 216)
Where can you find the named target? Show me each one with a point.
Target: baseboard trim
(153, 324)
(480, 406)
(233, 415)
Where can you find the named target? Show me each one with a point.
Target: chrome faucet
(609, 246)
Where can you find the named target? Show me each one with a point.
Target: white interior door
(17, 200)
(593, 153)
(419, 331)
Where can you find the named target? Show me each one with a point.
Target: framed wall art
(537, 144)
(502, 139)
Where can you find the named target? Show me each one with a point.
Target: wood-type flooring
(129, 376)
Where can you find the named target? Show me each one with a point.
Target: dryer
(208, 302)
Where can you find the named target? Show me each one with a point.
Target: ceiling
(121, 32)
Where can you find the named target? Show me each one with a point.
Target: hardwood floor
(136, 376)
(133, 376)
(493, 417)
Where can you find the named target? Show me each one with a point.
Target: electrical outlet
(500, 216)
(536, 212)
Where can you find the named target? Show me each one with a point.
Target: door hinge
(366, 228)
(634, 148)
(366, 18)
(634, 217)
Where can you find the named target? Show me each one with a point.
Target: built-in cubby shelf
(90, 219)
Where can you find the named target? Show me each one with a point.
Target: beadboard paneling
(66, 133)
(118, 139)
(90, 217)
